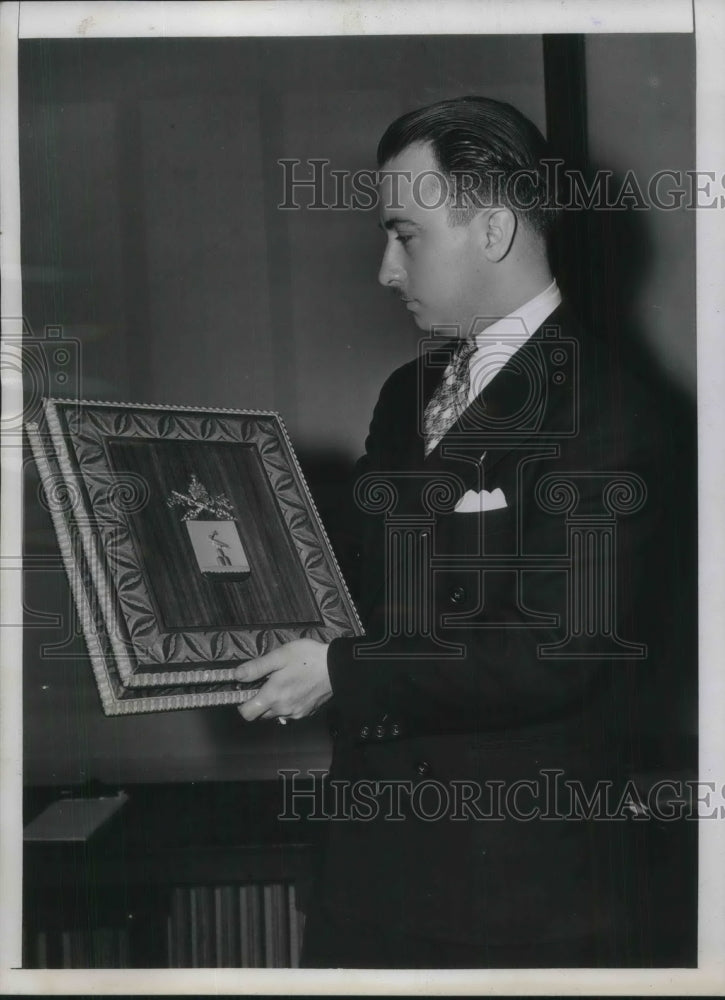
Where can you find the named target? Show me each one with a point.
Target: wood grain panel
(275, 593)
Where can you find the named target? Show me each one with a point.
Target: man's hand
(297, 681)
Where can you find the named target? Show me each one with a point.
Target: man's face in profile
(437, 268)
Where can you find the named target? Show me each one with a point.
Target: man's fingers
(255, 670)
(296, 681)
(253, 709)
(256, 711)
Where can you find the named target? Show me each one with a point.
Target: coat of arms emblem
(213, 532)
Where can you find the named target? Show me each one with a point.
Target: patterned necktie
(450, 398)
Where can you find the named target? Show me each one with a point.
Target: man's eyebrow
(397, 220)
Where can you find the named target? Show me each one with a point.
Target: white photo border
(331, 17)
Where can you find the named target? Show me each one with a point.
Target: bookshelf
(183, 876)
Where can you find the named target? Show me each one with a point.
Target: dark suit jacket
(561, 425)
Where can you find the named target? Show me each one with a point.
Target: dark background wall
(152, 236)
(641, 117)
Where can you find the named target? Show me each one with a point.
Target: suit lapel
(512, 408)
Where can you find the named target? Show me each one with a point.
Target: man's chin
(434, 327)
(422, 321)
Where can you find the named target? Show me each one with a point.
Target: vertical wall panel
(208, 322)
(642, 118)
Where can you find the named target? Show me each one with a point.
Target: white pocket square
(475, 503)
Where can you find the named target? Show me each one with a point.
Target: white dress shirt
(500, 341)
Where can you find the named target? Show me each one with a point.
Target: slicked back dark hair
(488, 152)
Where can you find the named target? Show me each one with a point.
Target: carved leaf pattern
(211, 646)
(185, 427)
(219, 645)
(166, 425)
(229, 431)
(169, 646)
(296, 521)
(209, 429)
(143, 625)
(268, 446)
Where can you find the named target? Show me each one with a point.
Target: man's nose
(391, 273)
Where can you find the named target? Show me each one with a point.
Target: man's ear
(498, 233)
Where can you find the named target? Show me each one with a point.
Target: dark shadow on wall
(603, 257)
(603, 261)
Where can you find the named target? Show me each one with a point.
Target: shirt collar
(523, 321)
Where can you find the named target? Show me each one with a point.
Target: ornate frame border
(91, 505)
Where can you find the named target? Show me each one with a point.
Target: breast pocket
(469, 534)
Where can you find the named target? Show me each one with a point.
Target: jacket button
(457, 595)
(395, 729)
(379, 732)
(364, 732)
(334, 732)
(422, 768)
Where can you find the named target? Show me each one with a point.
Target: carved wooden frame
(140, 663)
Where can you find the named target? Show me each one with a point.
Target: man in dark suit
(504, 517)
